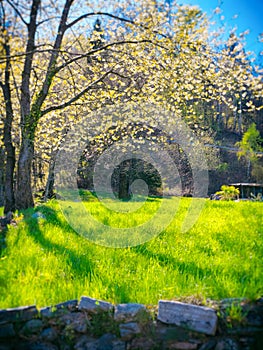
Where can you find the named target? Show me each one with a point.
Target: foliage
(257, 172)
(140, 50)
(250, 144)
(234, 315)
(257, 198)
(248, 148)
(228, 193)
(46, 262)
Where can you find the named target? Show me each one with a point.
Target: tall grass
(47, 262)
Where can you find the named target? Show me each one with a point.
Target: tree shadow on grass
(80, 265)
(188, 268)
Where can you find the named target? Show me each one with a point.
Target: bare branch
(122, 19)
(76, 97)
(25, 86)
(53, 59)
(86, 15)
(17, 12)
(15, 84)
(47, 20)
(22, 54)
(81, 56)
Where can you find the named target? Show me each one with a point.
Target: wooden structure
(248, 190)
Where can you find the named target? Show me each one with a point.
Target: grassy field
(47, 262)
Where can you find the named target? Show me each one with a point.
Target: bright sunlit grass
(47, 262)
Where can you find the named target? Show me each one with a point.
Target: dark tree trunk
(30, 114)
(2, 167)
(123, 187)
(9, 198)
(248, 169)
(9, 179)
(124, 181)
(24, 196)
(49, 189)
(10, 155)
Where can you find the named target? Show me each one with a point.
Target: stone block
(32, 327)
(70, 305)
(128, 312)
(94, 305)
(7, 330)
(183, 346)
(23, 313)
(196, 318)
(129, 330)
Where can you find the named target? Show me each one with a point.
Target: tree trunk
(248, 169)
(124, 184)
(2, 165)
(9, 179)
(240, 118)
(49, 189)
(9, 200)
(24, 196)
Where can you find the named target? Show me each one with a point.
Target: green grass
(47, 262)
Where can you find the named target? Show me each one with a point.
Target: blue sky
(250, 16)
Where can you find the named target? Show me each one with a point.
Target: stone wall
(91, 324)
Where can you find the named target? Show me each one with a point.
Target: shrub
(228, 193)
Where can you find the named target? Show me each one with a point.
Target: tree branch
(122, 19)
(86, 15)
(25, 86)
(76, 97)
(59, 68)
(53, 59)
(17, 12)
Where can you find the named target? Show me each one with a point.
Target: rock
(228, 302)
(118, 345)
(93, 305)
(143, 344)
(39, 346)
(255, 317)
(106, 338)
(51, 311)
(183, 346)
(208, 345)
(47, 312)
(32, 327)
(86, 343)
(70, 305)
(77, 321)
(4, 221)
(129, 330)
(197, 318)
(166, 333)
(227, 344)
(38, 215)
(247, 343)
(23, 313)
(5, 347)
(7, 330)
(49, 334)
(80, 327)
(106, 342)
(128, 312)
(244, 331)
